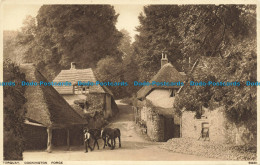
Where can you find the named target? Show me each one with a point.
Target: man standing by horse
(86, 140)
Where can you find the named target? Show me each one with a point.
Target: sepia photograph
(87, 82)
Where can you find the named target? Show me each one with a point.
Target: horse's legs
(97, 144)
(105, 142)
(94, 144)
(119, 139)
(112, 145)
(108, 141)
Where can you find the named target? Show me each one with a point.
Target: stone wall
(114, 107)
(190, 126)
(155, 126)
(159, 128)
(220, 130)
(144, 114)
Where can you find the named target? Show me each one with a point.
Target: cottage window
(80, 89)
(172, 93)
(200, 113)
(85, 89)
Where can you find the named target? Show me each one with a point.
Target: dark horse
(111, 134)
(95, 134)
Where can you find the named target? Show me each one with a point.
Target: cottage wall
(161, 98)
(155, 126)
(114, 107)
(190, 126)
(71, 98)
(220, 130)
(143, 110)
(144, 114)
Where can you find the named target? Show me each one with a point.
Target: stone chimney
(73, 65)
(164, 60)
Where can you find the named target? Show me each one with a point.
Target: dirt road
(134, 146)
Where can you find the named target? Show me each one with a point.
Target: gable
(76, 75)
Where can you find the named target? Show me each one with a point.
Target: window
(172, 92)
(200, 114)
(80, 89)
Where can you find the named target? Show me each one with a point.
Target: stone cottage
(206, 124)
(154, 105)
(94, 102)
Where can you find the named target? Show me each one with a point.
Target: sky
(14, 14)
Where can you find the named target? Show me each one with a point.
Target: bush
(14, 112)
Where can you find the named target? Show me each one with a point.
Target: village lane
(134, 146)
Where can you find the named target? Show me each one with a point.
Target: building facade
(91, 98)
(154, 105)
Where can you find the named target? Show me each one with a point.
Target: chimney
(164, 60)
(73, 65)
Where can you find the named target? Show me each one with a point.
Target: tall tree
(125, 45)
(157, 33)
(78, 33)
(110, 69)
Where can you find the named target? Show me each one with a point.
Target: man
(86, 140)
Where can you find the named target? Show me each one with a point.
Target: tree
(125, 44)
(110, 69)
(157, 33)
(227, 37)
(14, 112)
(72, 33)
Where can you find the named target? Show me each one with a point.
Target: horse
(111, 134)
(95, 134)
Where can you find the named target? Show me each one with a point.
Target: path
(134, 146)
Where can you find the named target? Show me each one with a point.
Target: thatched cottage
(50, 120)
(154, 109)
(86, 99)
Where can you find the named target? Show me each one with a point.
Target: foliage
(14, 112)
(120, 69)
(157, 33)
(125, 44)
(222, 38)
(70, 33)
(9, 45)
(110, 69)
(230, 47)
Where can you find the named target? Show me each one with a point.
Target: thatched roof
(45, 105)
(166, 74)
(75, 75)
